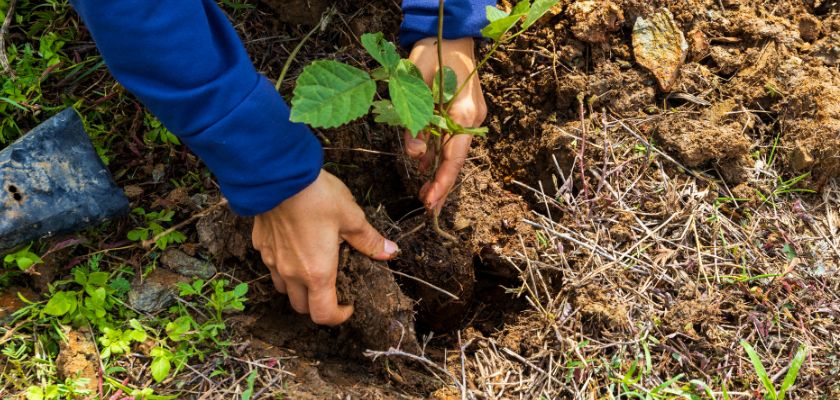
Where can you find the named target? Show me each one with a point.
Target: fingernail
(391, 248)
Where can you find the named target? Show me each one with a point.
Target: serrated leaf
(538, 9)
(329, 94)
(383, 51)
(412, 100)
(494, 13)
(385, 113)
(450, 85)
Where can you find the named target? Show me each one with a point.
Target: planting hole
(13, 189)
(17, 197)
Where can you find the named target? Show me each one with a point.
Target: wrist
(462, 46)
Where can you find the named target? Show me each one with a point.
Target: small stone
(660, 46)
(156, 292)
(186, 265)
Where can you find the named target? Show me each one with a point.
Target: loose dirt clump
(705, 143)
(78, 358)
(593, 21)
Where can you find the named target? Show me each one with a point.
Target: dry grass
(653, 278)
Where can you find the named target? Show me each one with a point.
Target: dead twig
(4, 30)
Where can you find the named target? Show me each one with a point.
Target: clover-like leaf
(381, 50)
(450, 85)
(538, 9)
(61, 303)
(329, 94)
(412, 99)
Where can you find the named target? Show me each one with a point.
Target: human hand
(299, 243)
(468, 110)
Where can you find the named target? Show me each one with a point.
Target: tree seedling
(329, 94)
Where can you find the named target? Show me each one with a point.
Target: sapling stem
(438, 139)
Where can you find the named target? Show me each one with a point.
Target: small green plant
(22, 259)
(154, 229)
(329, 94)
(185, 335)
(770, 392)
(157, 132)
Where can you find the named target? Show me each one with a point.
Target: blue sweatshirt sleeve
(185, 62)
(461, 18)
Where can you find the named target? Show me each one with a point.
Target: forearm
(462, 18)
(184, 61)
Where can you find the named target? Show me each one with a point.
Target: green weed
(770, 392)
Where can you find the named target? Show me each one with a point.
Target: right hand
(299, 243)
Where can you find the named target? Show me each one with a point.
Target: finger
(298, 296)
(365, 238)
(426, 161)
(447, 174)
(279, 283)
(415, 147)
(324, 308)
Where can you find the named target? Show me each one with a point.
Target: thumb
(366, 239)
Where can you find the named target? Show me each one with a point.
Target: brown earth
(754, 71)
(78, 358)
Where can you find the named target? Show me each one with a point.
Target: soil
(78, 358)
(753, 71)
(10, 300)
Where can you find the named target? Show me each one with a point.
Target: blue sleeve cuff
(461, 18)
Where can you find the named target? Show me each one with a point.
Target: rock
(77, 358)
(592, 21)
(185, 265)
(660, 46)
(156, 292)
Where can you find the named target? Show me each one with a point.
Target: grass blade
(759, 369)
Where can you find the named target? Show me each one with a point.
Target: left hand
(468, 110)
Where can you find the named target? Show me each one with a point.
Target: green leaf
(60, 303)
(759, 370)
(521, 8)
(247, 393)
(160, 368)
(793, 371)
(496, 29)
(381, 50)
(538, 9)
(385, 113)
(412, 100)
(240, 289)
(450, 85)
(34, 393)
(330, 94)
(98, 278)
(495, 14)
(137, 235)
